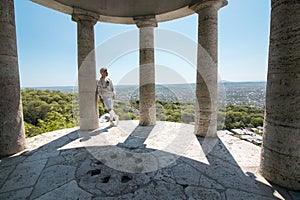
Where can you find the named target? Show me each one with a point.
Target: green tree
(46, 110)
(257, 121)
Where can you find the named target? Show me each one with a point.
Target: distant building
(260, 129)
(254, 129)
(248, 135)
(225, 132)
(237, 131)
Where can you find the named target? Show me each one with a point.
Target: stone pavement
(165, 161)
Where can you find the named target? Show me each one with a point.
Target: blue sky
(47, 46)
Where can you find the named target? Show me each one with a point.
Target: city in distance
(234, 93)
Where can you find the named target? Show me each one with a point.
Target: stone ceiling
(123, 11)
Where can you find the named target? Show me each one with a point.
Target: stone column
(207, 67)
(12, 137)
(88, 106)
(280, 159)
(147, 70)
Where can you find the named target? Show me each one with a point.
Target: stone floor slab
(12, 160)
(158, 190)
(24, 175)
(71, 164)
(195, 193)
(243, 195)
(186, 175)
(210, 183)
(20, 194)
(67, 191)
(53, 177)
(4, 173)
(295, 195)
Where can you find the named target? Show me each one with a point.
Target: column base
(206, 128)
(87, 124)
(146, 123)
(277, 168)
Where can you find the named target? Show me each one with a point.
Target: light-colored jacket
(106, 88)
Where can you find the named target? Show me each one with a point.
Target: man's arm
(99, 91)
(113, 89)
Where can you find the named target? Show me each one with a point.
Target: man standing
(106, 92)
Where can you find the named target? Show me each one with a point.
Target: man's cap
(102, 70)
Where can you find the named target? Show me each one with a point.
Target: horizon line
(224, 81)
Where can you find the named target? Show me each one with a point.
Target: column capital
(216, 4)
(145, 21)
(84, 15)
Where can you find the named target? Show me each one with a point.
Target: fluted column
(207, 67)
(280, 159)
(88, 107)
(12, 138)
(147, 70)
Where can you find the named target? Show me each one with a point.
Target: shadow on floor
(119, 172)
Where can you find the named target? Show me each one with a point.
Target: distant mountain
(64, 89)
(224, 81)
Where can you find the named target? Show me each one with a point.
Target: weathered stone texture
(147, 71)
(207, 67)
(280, 161)
(25, 174)
(67, 191)
(60, 175)
(86, 69)
(202, 193)
(238, 194)
(12, 137)
(17, 194)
